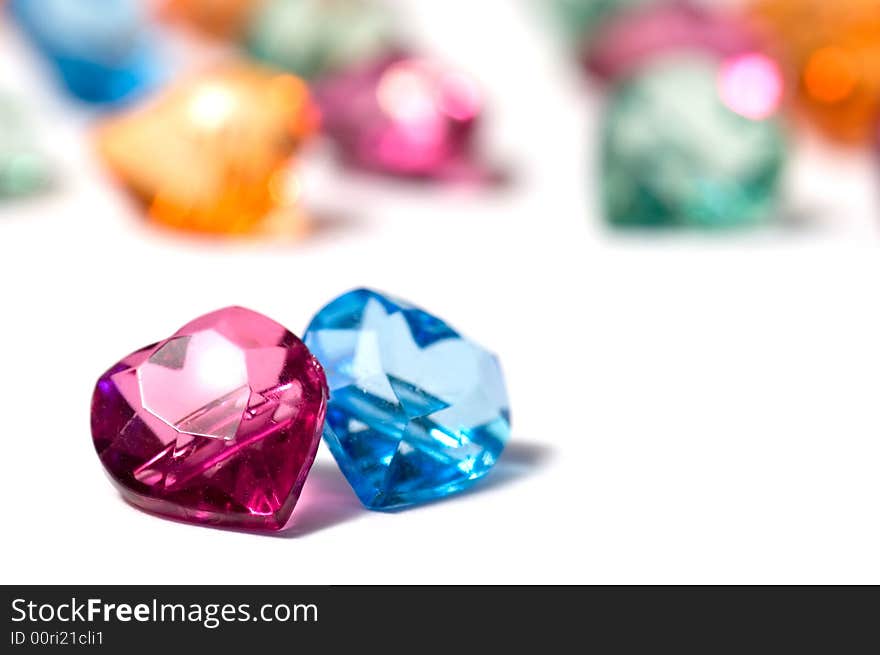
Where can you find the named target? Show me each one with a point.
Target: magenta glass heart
(217, 424)
(404, 116)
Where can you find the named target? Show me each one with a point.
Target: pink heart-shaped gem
(217, 424)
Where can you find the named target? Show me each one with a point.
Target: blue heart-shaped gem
(416, 411)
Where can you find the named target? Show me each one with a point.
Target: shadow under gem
(519, 459)
(328, 500)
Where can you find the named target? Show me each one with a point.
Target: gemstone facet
(679, 149)
(416, 411)
(217, 424)
(211, 154)
(101, 49)
(314, 37)
(405, 117)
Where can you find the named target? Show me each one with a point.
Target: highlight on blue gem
(416, 411)
(101, 49)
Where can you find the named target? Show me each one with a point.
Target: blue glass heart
(416, 411)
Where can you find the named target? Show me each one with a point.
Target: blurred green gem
(580, 18)
(314, 37)
(675, 154)
(23, 169)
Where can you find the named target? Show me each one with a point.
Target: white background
(687, 409)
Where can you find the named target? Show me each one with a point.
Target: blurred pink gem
(218, 424)
(633, 36)
(751, 85)
(404, 116)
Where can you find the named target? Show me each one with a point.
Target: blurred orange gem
(831, 52)
(211, 154)
(222, 18)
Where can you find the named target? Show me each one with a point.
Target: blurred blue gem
(416, 411)
(100, 48)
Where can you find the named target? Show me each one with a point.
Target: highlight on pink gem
(405, 116)
(218, 424)
(751, 85)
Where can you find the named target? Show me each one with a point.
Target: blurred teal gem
(580, 18)
(416, 411)
(675, 154)
(314, 37)
(23, 167)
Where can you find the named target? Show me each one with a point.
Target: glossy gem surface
(217, 424)
(312, 38)
(405, 116)
(678, 152)
(211, 154)
(416, 411)
(831, 54)
(101, 49)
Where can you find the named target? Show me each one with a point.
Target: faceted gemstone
(632, 37)
(221, 18)
(416, 411)
(314, 37)
(404, 116)
(831, 54)
(217, 424)
(583, 19)
(686, 142)
(23, 168)
(100, 48)
(212, 153)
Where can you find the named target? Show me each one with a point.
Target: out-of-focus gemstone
(633, 36)
(222, 18)
(404, 116)
(830, 52)
(212, 153)
(583, 19)
(23, 167)
(416, 411)
(679, 149)
(217, 424)
(315, 37)
(101, 49)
